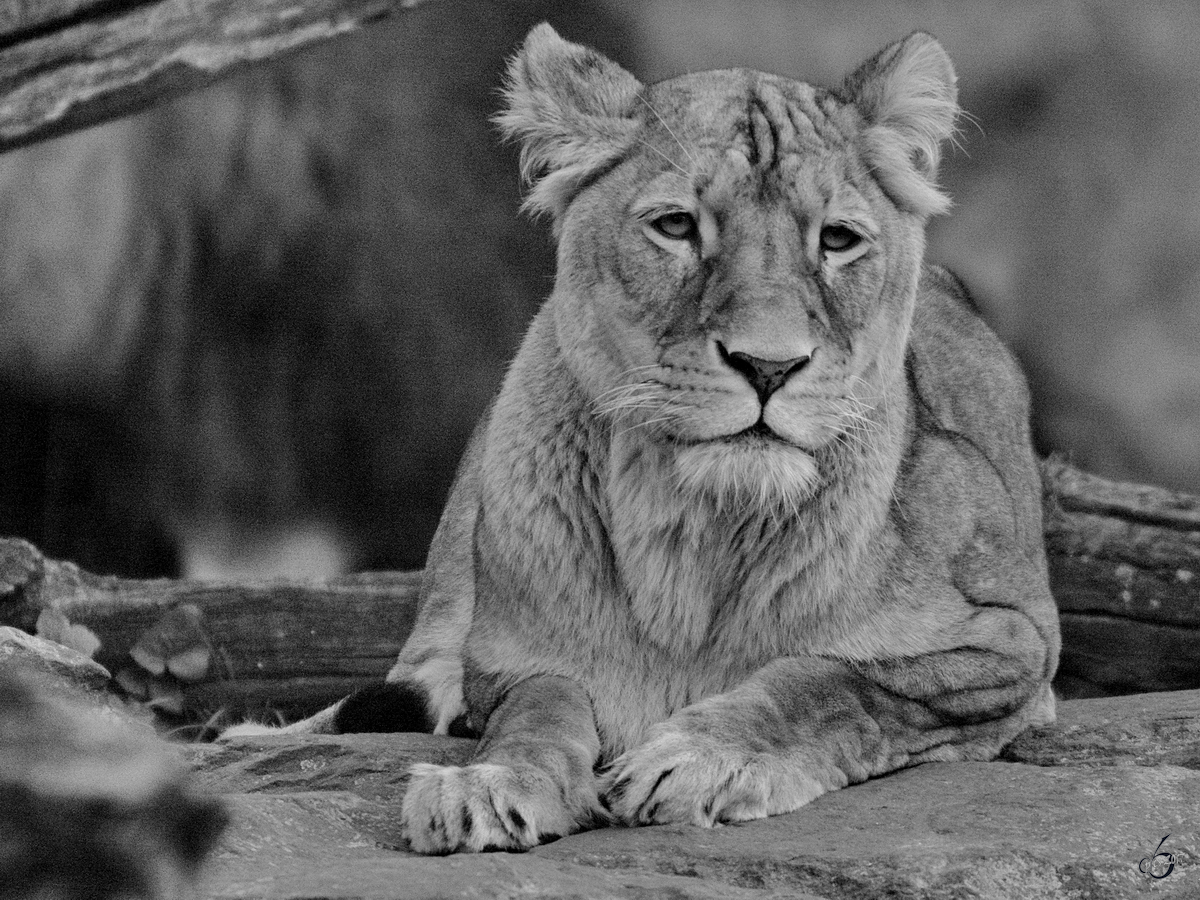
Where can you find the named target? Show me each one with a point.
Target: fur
(731, 601)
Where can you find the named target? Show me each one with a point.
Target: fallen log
(1125, 571)
(288, 647)
(1124, 564)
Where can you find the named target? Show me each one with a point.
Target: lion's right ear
(908, 96)
(571, 109)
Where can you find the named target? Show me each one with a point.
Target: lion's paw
(448, 809)
(678, 776)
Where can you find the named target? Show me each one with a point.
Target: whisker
(857, 428)
(642, 368)
(641, 395)
(674, 136)
(632, 407)
(624, 401)
(632, 370)
(626, 392)
(865, 426)
(650, 423)
(684, 172)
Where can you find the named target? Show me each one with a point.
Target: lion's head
(738, 252)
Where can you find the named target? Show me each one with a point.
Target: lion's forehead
(766, 118)
(732, 130)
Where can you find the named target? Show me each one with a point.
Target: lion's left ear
(570, 108)
(907, 95)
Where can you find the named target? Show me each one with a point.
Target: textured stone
(323, 845)
(1142, 729)
(987, 830)
(1069, 814)
(373, 766)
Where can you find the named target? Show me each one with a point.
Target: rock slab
(1070, 812)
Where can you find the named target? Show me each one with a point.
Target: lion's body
(754, 515)
(709, 595)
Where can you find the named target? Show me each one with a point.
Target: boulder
(55, 673)
(54, 666)
(92, 806)
(1072, 810)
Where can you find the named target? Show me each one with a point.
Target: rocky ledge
(1094, 806)
(1103, 804)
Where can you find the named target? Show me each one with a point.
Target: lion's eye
(678, 226)
(836, 238)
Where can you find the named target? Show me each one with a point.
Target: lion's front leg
(530, 780)
(801, 727)
(728, 758)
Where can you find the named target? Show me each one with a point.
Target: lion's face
(737, 269)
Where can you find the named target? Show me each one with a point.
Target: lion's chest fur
(705, 579)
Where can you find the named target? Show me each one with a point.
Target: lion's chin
(751, 468)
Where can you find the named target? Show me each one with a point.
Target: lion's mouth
(758, 433)
(758, 436)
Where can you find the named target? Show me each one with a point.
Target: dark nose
(766, 376)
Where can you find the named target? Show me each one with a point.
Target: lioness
(755, 514)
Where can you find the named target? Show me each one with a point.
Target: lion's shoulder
(960, 371)
(968, 388)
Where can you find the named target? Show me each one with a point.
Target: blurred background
(247, 333)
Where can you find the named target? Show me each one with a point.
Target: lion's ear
(570, 108)
(907, 94)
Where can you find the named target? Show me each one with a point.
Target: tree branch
(69, 64)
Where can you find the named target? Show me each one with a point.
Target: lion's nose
(766, 376)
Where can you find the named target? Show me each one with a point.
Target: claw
(616, 793)
(516, 820)
(468, 823)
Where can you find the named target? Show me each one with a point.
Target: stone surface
(1142, 729)
(1069, 813)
